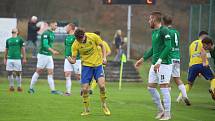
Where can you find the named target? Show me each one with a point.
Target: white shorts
(72, 67)
(14, 65)
(162, 76)
(44, 61)
(176, 68)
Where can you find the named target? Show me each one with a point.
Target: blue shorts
(87, 73)
(194, 70)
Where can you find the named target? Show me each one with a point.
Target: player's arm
(107, 47)
(204, 57)
(22, 44)
(99, 42)
(74, 49)
(145, 57)
(5, 56)
(103, 53)
(6, 53)
(46, 45)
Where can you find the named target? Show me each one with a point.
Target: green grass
(132, 103)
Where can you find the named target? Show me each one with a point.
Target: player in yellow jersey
(199, 63)
(108, 52)
(87, 45)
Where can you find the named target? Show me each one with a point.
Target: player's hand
(138, 63)
(156, 68)
(72, 61)
(205, 65)
(55, 52)
(5, 61)
(104, 61)
(24, 60)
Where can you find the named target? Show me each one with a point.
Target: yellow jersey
(89, 52)
(107, 47)
(195, 52)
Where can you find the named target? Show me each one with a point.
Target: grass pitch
(132, 103)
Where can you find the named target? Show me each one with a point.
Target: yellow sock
(213, 84)
(86, 101)
(93, 84)
(187, 87)
(103, 96)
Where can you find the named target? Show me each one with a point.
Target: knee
(39, 71)
(67, 74)
(9, 73)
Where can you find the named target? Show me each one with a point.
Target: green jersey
(68, 46)
(161, 46)
(14, 46)
(175, 52)
(47, 40)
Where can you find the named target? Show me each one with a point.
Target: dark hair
(157, 15)
(203, 33)
(97, 32)
(79, 33)
(207, 40)
(167, 20)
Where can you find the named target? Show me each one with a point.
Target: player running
(44, 58)
(68, 67)
(12, 59)
(175, 55)
(199, 62)
(161, 68)
(87, 45)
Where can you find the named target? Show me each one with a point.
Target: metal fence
(202, 17)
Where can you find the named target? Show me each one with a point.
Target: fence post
(190, 24)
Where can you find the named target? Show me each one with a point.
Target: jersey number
(176, 39)
(196, 46)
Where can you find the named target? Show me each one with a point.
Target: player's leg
(100, 77)
(68, 72)
(208, 75)
(41, 64)
(34, 79)
(9, 69)
(93, 84)
(18, 72)
(86, 77)
(19, 81)
(193, 72)
(164, 76)
(152, 84)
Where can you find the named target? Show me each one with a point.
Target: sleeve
(74, 49)
(106, 47)
(7, 45)
(98, 39)
(22, 43)
(148, 54)
(167, 43)
(45, 41)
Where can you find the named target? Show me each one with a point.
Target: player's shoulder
(90, 34)
(20, 38)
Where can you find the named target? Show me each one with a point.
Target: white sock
(68, 84)
(34, 80)
(166, 99)
(156, 98)
(19, 80)
(51, 82)
(11, 80)
(182, 88)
